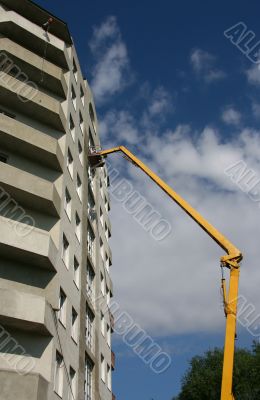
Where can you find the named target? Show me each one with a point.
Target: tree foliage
(203, 378)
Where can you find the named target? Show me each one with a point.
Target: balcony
(31, 64)
(25, 311)
(113, 360)
(21, 386)
(32, 102)
(29, 190)
(26, 244)
(38, 15)
(33, 37)
(28, 141)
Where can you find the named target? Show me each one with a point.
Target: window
(91, 206)
(89, 328)
(107, 263)
(109, 377)
(12, 70)
(91, 142)
(101, 217)
(106, 203)
(74, 325)
(92, 117)
(65, 252)
(102, 284)
(76, 277)
(108, 295)
(108, 336)
(67, 203)
(106, 230)
(82, 95)
(78, 227)
(112, 321)
(72, 128)
(90, 282)
(3, 157)
(108, 181)
(8, 114)
(103, 368)
(72, 388)
(62, 307)
(73, 97)
(102, 319)
(88, 379)
(75, 72)
(91, 171)
(70, 163)
(91, 176)
(59, 374)
(81, 122)
(79, 187)
(80, 152)
(91, 242)
(101, 246)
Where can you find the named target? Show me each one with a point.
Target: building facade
(55, 286)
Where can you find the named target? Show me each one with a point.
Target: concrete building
(55, 327)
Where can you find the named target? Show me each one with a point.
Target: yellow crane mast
(231, 261)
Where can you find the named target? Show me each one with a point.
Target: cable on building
(46, 26)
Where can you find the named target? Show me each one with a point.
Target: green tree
(203, 378)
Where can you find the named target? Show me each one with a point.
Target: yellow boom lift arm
(231, 261)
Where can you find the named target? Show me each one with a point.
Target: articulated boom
(230, 261)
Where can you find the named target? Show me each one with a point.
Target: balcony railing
(37, 145)
(29, 190)
(52, 77)
(31, 101)
(14, 312)
(27, 244)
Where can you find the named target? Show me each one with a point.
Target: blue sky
(170, 86)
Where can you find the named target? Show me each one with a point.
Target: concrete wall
(36, 137)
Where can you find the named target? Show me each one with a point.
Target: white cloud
(231, 116)
(107, 30)
(111, 73)
(125, 128)
(203, 64)
(253, 75)
(174, 286)
(121, 125)
(160, 102)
